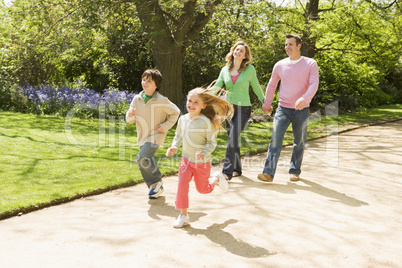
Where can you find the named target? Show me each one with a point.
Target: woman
(237, 76)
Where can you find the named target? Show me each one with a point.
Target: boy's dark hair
(298, 39)
(155, 75)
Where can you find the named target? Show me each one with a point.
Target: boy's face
(148, 85)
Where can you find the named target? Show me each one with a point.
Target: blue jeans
(147, 165)
(235, 126)
(299, 120)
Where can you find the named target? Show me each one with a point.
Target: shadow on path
(216, 234)
(159, 207)
(291, 187)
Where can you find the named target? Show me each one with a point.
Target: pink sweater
(297, 80)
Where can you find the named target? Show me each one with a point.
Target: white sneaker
(181, 221)
(222, 182)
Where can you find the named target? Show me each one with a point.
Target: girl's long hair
(245, 63)
(217, 110)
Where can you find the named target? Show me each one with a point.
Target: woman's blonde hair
(217, 110)
(245, 63)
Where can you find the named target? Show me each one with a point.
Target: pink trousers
(187, 171)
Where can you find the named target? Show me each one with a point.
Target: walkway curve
(345, 212)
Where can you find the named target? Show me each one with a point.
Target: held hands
(171, 151)
(199, 155)
(131, 112)
(300, 104)
(267, 110)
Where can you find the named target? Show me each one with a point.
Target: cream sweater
(197, 135)
(159, 110)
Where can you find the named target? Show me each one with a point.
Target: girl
(196, 129)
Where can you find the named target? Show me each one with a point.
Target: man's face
(291, 48)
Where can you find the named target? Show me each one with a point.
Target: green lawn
(47, 159)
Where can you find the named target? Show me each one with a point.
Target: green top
(238, 93)
(146, 97)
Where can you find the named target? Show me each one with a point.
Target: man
(299, 83)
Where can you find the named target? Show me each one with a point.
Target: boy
(154, 115)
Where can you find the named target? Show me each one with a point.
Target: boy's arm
(130, 118)
(178, 136)
(173, 114)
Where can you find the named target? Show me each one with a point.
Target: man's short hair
(295, 36)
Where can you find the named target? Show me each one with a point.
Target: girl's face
(239, 52)
(148, 85)
(194, 104)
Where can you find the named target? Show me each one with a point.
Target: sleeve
(271, 87)
(256, 86)
(220, 81)
(313, 83)
(211, 140)
(172, 112)
(131, 119)
(178, 137)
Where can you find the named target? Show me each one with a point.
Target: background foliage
(101, 45)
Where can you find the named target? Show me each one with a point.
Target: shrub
(354, 85)
(82, 102)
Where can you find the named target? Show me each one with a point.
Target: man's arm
(313, 84)
(271, 88)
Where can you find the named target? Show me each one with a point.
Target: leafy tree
(361, 42)
(172, 26)
(109, 43)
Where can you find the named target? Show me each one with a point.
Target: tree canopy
(109, 43)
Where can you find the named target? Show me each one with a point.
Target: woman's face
(240, 52)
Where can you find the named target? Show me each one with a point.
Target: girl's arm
(171, 151)
(173, 113)
(211, 141)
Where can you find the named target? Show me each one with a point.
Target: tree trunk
(308, 43)
(170, 35)
(169, 59)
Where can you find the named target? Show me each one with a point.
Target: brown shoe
(294, 177)
(265, 177)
